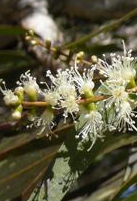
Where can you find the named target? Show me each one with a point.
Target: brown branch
(81, 101)
(92, 99)
(86, 62)
(35, 104)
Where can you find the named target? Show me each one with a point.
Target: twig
(106, 28)
(81, 101)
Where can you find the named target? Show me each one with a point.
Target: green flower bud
(19, 91)
(17, 112)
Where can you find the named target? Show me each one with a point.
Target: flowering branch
(75, 94)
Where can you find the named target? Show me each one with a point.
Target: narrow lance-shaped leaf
(24, 160)
(71, 163)
(125, 186)
(132, 197)
(106, 28)
(11, 30)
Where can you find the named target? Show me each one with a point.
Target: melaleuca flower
(17, 112)
(70, 106)
(116, 93)
(9, 97)
(68, 99)
(30, 85)
(51, 96)
(63, 84)
(92, 126)
(120, 102)
(124, 119)
(44, 122)
(121, 68)
(61, 78)
(83, 82)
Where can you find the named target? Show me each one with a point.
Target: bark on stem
(81, 101)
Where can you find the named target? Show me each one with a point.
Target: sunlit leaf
(132, 197)
(124, 187)
(24, 160)
(71, 163)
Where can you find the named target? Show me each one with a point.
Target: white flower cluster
(69, 88)
(120, 74)
(63, 91)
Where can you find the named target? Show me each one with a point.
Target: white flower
(93, 126)
(63, 84)
(29, 83)
(16, 115)
(9, 97)
(121, 69)
(117, 95)
(70, 106)
(68, 99)
(19, 90)
(51, 97)
(61, 78)
(124, 117)
(45, 122)
(83, 82)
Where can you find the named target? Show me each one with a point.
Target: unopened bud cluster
(72, 94)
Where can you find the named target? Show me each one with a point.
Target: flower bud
(19, 91)
(31, 91)
(29, 85)
(87, 89)
(16, 114)
(33, 42)
(79, 56)
(11, 99)
(31, 32)
(94, 59)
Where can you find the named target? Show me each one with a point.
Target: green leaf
(125, 186)
(11, 30)
(20, 168)
(14, 60)
(24, 160)
(106, 28)
(12, 55)
(38, 193)
(97, 49)
(14, 142)
(71, 163)
(132, 197)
